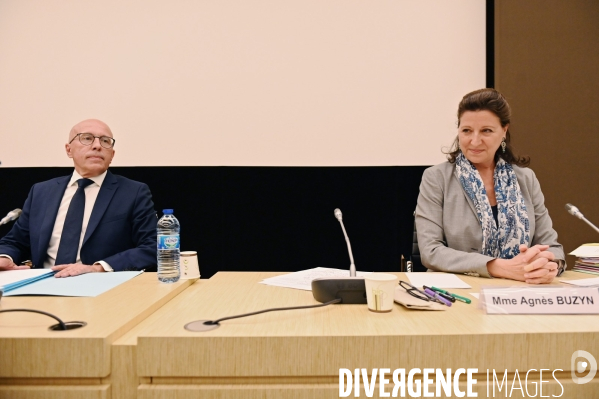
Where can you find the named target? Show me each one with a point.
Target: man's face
(90, 160)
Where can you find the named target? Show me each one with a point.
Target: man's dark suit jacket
(121, 229)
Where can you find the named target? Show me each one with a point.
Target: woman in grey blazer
(482, 213)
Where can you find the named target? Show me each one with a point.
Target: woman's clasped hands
(534, 265)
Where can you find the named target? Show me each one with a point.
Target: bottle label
(168, 242)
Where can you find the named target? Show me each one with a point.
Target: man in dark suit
(90, 221)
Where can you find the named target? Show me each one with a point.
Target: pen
(439, 290)
(437, 296)
(446, 296)
(430, 296)
(459, 298)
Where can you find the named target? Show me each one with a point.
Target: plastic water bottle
(167, 231)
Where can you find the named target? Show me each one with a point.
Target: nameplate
(540, 300)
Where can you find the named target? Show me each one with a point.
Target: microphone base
(351, 290)
(200, 326)
(70, 325)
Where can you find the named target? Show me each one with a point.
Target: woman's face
(480, 134)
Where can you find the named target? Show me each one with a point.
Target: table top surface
(231, 293)
(312, 342)
(105, 314)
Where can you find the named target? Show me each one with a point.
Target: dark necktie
(71, 231)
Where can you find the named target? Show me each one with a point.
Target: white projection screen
(239, 82)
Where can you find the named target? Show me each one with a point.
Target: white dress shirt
(91, 194)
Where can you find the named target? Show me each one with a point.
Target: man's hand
(7, 264)
(75, 269)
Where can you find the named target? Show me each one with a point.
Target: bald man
(90, 221)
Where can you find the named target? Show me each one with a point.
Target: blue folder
(84, 285)
(21, 283)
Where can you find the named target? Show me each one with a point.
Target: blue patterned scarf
(501, 240)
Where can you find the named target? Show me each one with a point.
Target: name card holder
(540, 300)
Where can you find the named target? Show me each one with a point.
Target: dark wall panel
(546, 64)
(271, 219)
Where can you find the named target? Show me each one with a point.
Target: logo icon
(171, 242)
(588, 364)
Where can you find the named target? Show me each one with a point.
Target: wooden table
(298, 353)
(38, 363)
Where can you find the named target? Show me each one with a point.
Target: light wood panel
(55, 392)
(331, 391)
(124, 381)
(37, 362)
(300, 352)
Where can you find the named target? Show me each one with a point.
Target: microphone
(352, 266)
(572, 210)
(12, 215)
(349, 289)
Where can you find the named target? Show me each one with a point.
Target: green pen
(459, 298)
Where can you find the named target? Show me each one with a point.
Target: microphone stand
(590, 224)
(352, 266)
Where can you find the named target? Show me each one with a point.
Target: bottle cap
(167, 211)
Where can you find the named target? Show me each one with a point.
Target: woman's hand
(544, 275)
(534, 265)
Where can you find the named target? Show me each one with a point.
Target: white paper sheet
(585, 282)
(438, 280)
(302, 280)
(587, 251)
(89, 284)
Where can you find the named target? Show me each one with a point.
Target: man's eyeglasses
(88, 139)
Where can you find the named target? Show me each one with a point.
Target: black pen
(448, 297)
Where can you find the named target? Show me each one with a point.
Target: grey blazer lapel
(105, 195)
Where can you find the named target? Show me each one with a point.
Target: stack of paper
(588, 259)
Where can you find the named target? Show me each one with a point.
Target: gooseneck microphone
(352, 266)
(350, 289)
(327, 290)
(12, 215)
(572, 210)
